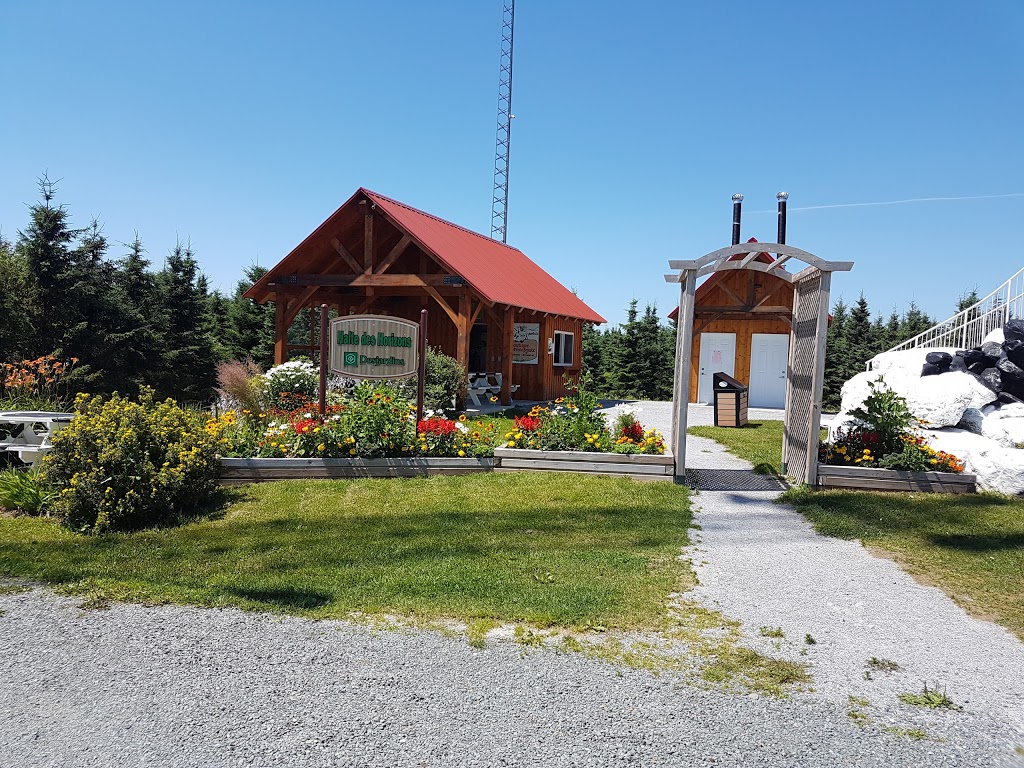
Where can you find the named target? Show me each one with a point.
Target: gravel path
(172, 686)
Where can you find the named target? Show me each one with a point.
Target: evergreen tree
(837, 354)
(655, 382)
(860, 337)
(18, 305)
(46, 246)
(251, 325)
(626, 370)
(967, 299)
(139, 339)
(593, 355)
(914, 322)
(186, 369)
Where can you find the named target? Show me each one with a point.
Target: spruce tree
(593, 355)
(860, 337)
(186, 370)
(18, 305)
(251, 325)
(837, 354)
(625, 369)
(139, 339)
(914, 322)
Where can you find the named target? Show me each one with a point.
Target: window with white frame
(563, 348)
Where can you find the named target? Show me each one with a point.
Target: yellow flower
(462, 453)
(511, 443)
(494, 399)
(321, 447)
(352, 450)
(462, 417)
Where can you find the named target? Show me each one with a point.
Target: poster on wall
(526, 343)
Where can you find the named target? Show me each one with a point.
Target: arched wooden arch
(806, 370)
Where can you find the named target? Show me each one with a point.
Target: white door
(769, 360)
(717, 355)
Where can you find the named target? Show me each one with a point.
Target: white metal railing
(969, 328)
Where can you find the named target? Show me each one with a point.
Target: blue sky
(241, 126)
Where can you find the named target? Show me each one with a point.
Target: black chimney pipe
(737, 203)
(782, 197)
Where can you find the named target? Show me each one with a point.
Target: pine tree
(837, 354)
(251, 325)
(139, 340)
(626, 370)
(593, 355)
(914, 322)
(860, 337)
(18, 305)
(46, 246)
(186, 369)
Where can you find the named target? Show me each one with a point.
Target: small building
(490, 306)
(741, 327)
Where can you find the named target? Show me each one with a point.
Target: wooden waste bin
(730, 401)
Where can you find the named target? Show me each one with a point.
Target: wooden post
(280, 329)
(506, 357)
(462, 345)
(681, 385)
(818, 381)
(323, 358)
(421, 372)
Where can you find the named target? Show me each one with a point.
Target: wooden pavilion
(741, 326)
(490, 306)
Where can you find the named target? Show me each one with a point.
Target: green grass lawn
(970, 546)
(549, 549)
(760, 443)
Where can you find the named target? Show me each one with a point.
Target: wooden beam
(744, 248)
(476, 313)
(368, 242)
(696, 332)
(462, 343)
(508, 325)
(444, 304)
(346, 256)
(681, 388)
(295, 305)
(364, 279)
(280, 329)
(393, 255)
(732, 295)
(370, 301)
(769, 295)
(748, 309)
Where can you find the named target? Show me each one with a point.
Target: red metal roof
(498, 272)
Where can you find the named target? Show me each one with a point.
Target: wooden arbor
(805, 378)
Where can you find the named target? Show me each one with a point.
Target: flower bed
(884, 452)
(237, 471)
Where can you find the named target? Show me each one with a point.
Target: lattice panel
(800, 394)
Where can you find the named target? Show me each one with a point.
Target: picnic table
(486, 384)
(28, 434)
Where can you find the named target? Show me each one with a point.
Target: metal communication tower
(499, 207)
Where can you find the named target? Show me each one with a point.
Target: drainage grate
(733, 480)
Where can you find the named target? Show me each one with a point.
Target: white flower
(461, 427)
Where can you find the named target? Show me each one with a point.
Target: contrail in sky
(898, 202)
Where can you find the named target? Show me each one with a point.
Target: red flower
(436, 426)
(304, 426)
(634, 431)
(528, 423)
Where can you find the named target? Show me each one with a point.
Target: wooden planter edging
(638, 466)
(868, 479)
(236, 471)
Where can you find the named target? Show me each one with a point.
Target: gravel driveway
(172, 686)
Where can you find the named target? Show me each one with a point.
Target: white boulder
(939, 400)
(1005, 425)
(997, 336)
(909, 360)
(997, 467)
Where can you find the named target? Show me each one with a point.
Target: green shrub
(445, 381)
(886, 414)
(24, 491)
(123, 465)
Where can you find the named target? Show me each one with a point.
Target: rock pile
(973, 401)
(998, 364)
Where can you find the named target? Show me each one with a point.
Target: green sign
(374, 347)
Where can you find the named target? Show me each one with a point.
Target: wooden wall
(751, 288)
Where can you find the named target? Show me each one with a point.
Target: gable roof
(498, 272)
(716, 277)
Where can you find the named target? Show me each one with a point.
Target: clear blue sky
(241, 126)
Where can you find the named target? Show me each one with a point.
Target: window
(563, 348)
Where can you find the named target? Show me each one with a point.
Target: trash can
(730, 401)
